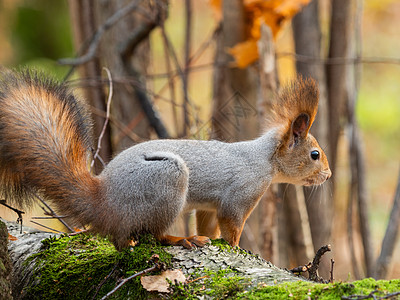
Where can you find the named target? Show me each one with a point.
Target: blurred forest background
(178, 65)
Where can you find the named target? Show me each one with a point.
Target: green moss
(74, 267)
(224, 246)
(309, 290)
(221, 284)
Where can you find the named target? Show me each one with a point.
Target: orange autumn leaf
(274, 13)
(244, 53)
(12, 238)
(76, 229)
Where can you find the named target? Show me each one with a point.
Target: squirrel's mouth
(318, 179)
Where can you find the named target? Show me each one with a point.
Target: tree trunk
(125, 104)
(84, 26)
(268, 89)
(307, 37)
(336, 74)
(234, 115)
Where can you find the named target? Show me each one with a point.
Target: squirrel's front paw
(187, 242)
(199, 240)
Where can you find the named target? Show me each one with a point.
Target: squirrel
(45, 148)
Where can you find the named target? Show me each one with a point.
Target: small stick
(104, 281)
(46, 227)
(157, 266)
(331, 272)
(46, 218)
(53, 213)
(110, 94)
(199, 278)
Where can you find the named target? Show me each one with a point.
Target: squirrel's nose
(328, 174)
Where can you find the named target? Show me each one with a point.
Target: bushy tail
(44, 143)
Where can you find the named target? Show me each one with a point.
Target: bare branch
(110, 93)
(51, 212)
(47, 227)
(339, 60)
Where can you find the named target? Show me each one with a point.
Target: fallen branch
(157, 266)
(312, 267)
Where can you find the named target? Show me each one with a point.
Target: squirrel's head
(299, 158)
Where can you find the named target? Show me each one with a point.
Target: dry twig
(312, 267)
(157, 266)
(110, 93)
(50, 212)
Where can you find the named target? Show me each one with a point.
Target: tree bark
(125, 105)
(336, 74)
(268, 88)
(307, 37)
(84, 26)
(234, 116)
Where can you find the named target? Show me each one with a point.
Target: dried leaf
(244, 53)
(274, 13)
(158, 283)
(12, 238)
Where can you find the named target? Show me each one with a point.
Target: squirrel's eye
(315, 154)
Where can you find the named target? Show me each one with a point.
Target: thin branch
(331, 279)
(104, 281)
(47, 227)
(157, 266)
(51, 212)
(110, 94)
(339, 60)
(94, 44)
(47, 218)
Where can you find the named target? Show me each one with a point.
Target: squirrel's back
(44, 142)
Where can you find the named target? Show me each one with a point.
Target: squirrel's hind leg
(207, 223)
(187, 242)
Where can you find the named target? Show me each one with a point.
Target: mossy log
(89, 267)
